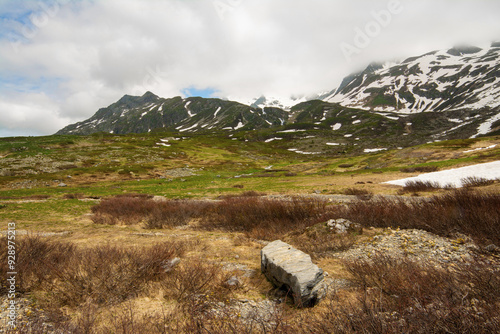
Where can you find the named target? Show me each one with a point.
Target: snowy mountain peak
(458, 78)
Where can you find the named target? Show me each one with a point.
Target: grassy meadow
(101, 220)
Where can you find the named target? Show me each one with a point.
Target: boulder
(291, 269)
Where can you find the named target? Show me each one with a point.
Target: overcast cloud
(61, 60)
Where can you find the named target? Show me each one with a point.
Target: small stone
(233, 281)
(171, 264)
(492, 248)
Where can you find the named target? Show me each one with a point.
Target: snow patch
(187, 109)
(302, 152)
(486, 126)
(291, 130)
(272, 139)
(190, 128)
(453, 177)
(239, 126)
(336, 126)
(371, 150)
(480, 149)
(217, 111)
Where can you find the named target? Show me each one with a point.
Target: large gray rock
(292, 269)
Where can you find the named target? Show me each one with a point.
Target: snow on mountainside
(137, 114)
(439, 95)
(459, 78)
(285, 103)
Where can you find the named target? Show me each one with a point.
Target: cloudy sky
(61, 60)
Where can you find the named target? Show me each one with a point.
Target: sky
(62, 60)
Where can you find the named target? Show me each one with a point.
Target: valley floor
(140, 240)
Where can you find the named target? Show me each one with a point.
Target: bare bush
(476, 181)
(419, 169)
(417, 186)
(461, 211)
(362, 194)
(154, 214)
(262, 218)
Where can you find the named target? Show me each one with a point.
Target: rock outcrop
(293, 270)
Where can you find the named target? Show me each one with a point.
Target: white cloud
(83, 55)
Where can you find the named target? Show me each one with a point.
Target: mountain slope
(439, 95)
(137, 114)
(459, 78)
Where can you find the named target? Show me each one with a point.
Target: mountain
(440, 95)
(137, 114)
(285, 103)
(456, 79)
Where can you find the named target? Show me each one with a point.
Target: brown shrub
(154, 214)
(262, 218)
(120, 273)
(36, 260)
(476, 181)
(398, 295)
(70, 276)
(461, 211)
(417, 186)
(419, 169)
(362, 194)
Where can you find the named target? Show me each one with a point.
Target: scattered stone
(247, 272)
(416, 245)
(180, 172)
(492, 248)
(342, 225)
(169, 265)
(62, 184)
(292, 269)
(233, 281)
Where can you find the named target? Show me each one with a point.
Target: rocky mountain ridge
(457, 89)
